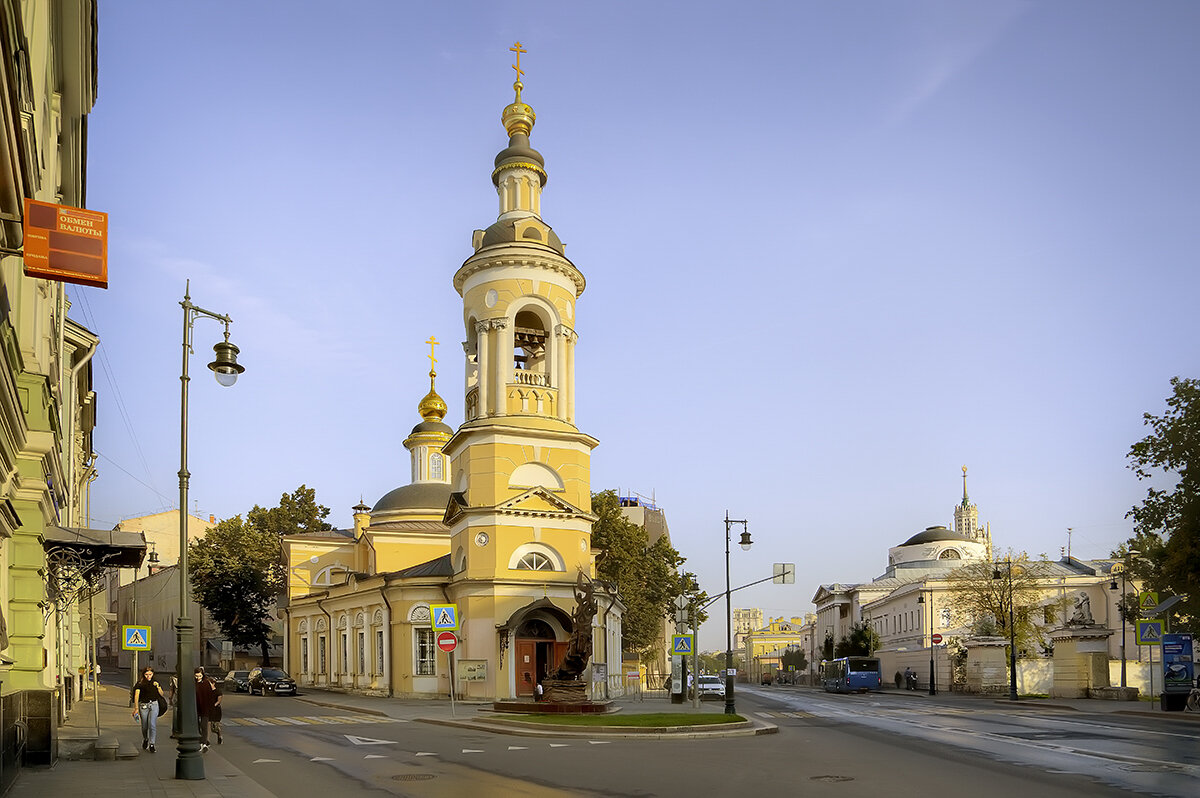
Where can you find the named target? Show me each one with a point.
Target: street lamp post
(188, 763)
(1012, 632)
(932, 666)
(745, 544)
(1123, 605)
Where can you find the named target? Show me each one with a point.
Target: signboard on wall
(472, 670)
(66, 244)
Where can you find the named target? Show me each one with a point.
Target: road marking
(472, 751)
(257, 761)
(424, 753)
(367, 740)
(598, 742)
(321, 759)
(559, 745)
(374, 756)
(310, 720)
(518, 748)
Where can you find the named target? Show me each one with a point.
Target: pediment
(539, 501)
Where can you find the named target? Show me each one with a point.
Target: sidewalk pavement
(153, 775)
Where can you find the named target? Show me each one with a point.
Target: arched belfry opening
(530, 342)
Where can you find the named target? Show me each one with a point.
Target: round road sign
(446, 641)
(936, 638)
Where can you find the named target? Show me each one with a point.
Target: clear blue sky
(834, 252)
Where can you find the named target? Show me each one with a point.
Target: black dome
(933, 534)
(420, 496)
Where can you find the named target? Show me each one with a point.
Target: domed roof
(431, 496)
(433, 426)
(934, 534)
(505, 232)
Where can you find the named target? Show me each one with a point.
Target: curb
(748, 728)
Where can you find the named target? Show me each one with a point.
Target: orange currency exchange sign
(66, 244)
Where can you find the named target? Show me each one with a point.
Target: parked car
(711, 687)
(272, 680)
(237, 681)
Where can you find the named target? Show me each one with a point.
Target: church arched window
(534, 561)
(950, 554)
(435, 467)
(529, 343)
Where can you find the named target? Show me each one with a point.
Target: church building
(496, 519)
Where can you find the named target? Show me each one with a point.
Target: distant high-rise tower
(966, 519)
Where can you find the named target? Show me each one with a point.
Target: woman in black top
(145, 697)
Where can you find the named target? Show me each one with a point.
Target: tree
(861, 642)
(1167, 522)
(981, 596)
(647, 576)
(827, 646)
(237, 570)
(795, 656)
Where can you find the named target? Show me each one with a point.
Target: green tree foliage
(647, 576)
(237, 570)
(981, 596)
(1167, 522)
(861, 642)
(795, 656)
(827, 646)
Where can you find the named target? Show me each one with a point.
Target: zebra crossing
(310, 720)
(785, 714)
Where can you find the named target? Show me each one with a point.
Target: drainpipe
(330, 659)
(387, 640)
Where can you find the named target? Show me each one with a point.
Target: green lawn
(638, 720)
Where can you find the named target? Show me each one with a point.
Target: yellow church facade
(496, 519)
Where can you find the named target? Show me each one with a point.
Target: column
(570, 382)
(505, 344)
(481, 345)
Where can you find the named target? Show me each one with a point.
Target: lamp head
(745, 541)
(226, 368)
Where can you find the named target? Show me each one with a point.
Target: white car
(711, 687)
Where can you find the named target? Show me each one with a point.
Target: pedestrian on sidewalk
(207, 699)
(146, 695)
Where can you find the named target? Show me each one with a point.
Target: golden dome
(432, 407)
(518, 117)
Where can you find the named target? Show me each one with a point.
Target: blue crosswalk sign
(444, 616)
(135, 638)
(681, 644)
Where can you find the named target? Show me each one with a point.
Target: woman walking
(207, 701)
(146, 695)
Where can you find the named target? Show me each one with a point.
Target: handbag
(162, 705)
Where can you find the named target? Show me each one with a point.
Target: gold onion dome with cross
(432, 407)
(518, 118)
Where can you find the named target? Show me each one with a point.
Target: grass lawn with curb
(644, 720)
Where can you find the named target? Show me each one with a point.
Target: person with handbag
(146, 697)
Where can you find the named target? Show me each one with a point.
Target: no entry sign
(936, 638)
(446, 641)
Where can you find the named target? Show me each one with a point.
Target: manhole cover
(831, 778)
(413, 777)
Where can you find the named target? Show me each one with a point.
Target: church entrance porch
(538, 652)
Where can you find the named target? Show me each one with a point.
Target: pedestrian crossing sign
(445, 616)
(1147, 601)
(1149, 633)
(135, 638)
(681, 644)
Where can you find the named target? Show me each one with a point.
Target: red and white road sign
(936, 638)
(446, 641)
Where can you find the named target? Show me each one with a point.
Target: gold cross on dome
(516, 48)
(432, 343)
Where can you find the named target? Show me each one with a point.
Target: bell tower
(519, 466)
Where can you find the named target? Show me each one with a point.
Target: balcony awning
(101, 548)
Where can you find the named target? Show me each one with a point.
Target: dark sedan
(271, 680)
(237, 681)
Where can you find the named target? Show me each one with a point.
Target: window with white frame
(321, 653)
(345, 653)
(304, 654)
(535, 561)
(379, 651)
(362, 652)
(424, 648)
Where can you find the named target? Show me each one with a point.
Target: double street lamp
(1012, 632)
(745, 544)
(1123, 605)
(932, 668)
(188, 764)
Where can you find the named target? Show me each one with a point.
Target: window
(362, 652)
(533, 561)
(304, 654)
(321, 653)
(379, 651)
(345, 653)
(425, 652)
(435, 466)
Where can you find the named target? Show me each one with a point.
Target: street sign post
(936, 638)
(446, 641)
(444, 616)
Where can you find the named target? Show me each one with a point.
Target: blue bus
(851, 675)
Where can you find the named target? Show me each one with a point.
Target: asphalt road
(845, 746)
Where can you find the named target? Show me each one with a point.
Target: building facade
(496, 516)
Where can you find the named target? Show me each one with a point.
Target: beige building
(495, 518)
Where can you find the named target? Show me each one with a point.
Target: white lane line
(257, 761)
(472, 751)
(424, 753)
(321, 759)
(559, 745)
